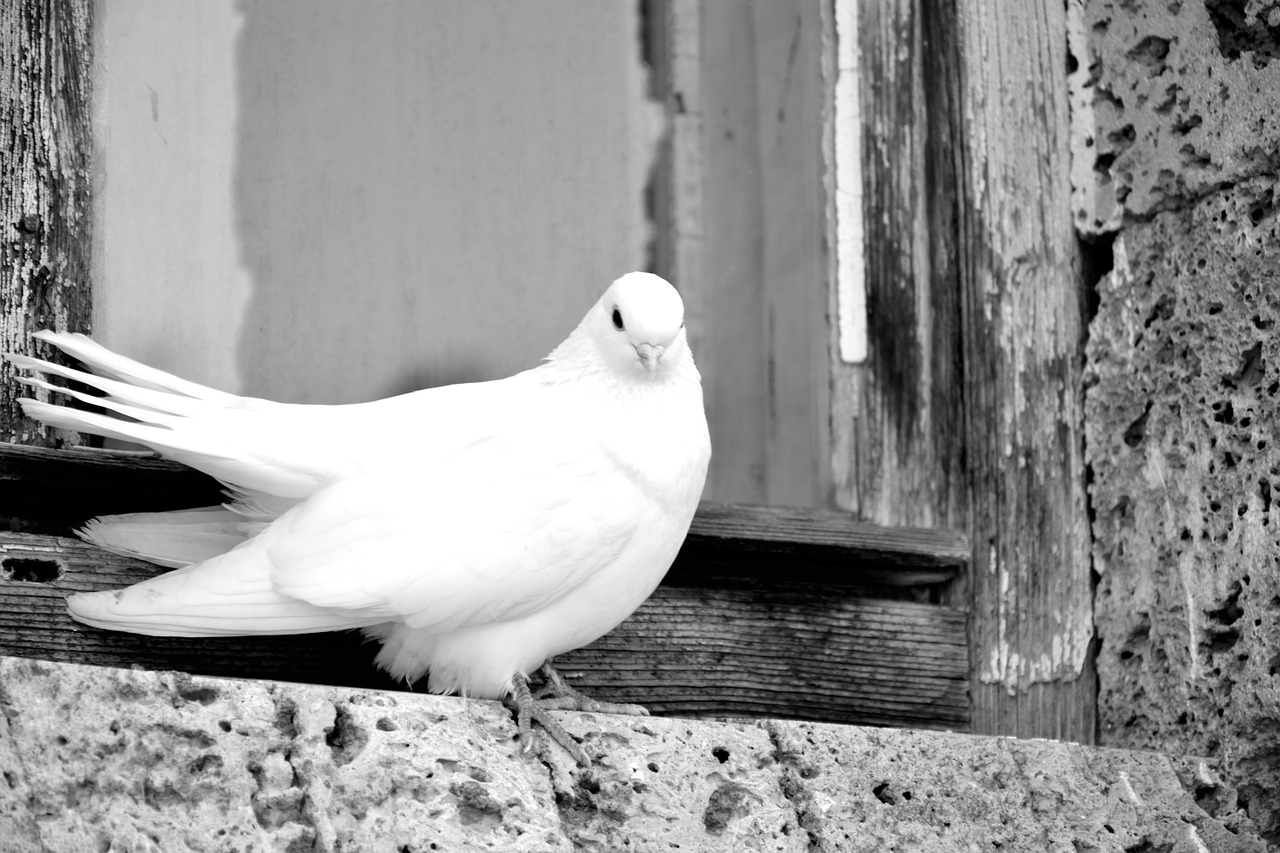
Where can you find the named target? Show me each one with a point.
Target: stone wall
(1176, 137)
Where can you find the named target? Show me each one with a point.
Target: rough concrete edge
(293, 766)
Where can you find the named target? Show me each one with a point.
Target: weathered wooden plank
(779, 651)
(898, 423)
(972, 384)
(1032, 623)
(46, 53)
(816, 546)
(942, 163)
(786, 652)
(53, 491)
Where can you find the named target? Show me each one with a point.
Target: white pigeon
(507, 522)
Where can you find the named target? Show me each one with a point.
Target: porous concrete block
(1171, 99)
(112, 760)
(122, 760)
(674, 784)
(1183, 436)
(893, 789)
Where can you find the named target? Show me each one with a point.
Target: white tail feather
(107, 363)
(109, 403)
(141, 401)
(252, 445)
(81, 421)
(171, 539)
(230, 595)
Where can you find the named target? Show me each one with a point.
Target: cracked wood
(46, 57)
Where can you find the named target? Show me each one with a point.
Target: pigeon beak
(649, 356)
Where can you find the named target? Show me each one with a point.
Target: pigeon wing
(492, 532)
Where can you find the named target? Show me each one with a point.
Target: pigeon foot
(528, 709)
(558, 695)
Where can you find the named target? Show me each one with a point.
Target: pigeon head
(639, 323)
(635, 331)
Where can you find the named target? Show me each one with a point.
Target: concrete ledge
(97, 759)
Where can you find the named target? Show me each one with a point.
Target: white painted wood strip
(850, 261)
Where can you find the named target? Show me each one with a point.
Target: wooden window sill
(767, 612)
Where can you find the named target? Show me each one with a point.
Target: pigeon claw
(529, 709)
(557, 694)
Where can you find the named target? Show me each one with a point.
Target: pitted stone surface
(1183, 425)
(120, 760)
(112, 760)
(1176, 150)
(1171, 100)
(893, 789)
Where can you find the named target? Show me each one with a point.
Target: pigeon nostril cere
(28, 570)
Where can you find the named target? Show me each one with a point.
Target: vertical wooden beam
(898, 425)
(942, 142)
(1031, 606)
(46, 58)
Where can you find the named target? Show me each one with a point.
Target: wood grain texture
(1031, 594)
(46, 54)
(785, 650)
(967, 413)
(817, 546)
(898, 428)
(942, 147)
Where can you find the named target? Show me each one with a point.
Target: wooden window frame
(1000, 461)
(967, 413)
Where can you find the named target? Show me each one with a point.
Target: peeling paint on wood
(45, 183)
(1032, 619)
(967, 412)
(851, 272)
(897, 420)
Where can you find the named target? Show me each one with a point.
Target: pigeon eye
(617, 320)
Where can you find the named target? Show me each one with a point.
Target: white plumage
(510, 521)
